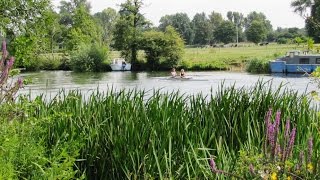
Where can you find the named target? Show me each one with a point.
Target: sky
(279, 12)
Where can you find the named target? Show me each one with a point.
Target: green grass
(226, 58)
(132, 134)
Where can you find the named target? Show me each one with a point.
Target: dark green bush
(88, 58)
(257, 66)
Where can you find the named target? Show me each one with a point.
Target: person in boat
(173, 72)
(182, 73)
(124, 65)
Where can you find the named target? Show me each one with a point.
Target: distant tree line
(34, 28)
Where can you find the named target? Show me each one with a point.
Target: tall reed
(133, 134)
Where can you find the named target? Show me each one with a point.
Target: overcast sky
(278, 12)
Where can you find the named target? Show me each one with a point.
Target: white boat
(119, 64)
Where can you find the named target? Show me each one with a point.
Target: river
(50, 82)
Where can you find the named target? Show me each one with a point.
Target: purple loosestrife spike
(301, 160)
(268, 117)
(291, 142)
(271, 135)
(4, 46)
(310, 147)
(10, 62)
(213, 165)
(287, 129)
(20, 82)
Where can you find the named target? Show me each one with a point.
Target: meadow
(228, 58)
(133, 134)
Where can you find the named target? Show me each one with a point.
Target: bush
(257, 66)
(50, 62)
(88, 58)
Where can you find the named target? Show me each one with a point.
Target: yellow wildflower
(310, 167)
(289, 178)
(274, 176)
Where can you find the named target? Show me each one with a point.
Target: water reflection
(202, 82)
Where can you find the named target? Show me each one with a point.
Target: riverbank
(198, 59)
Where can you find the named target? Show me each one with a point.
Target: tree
(237, 19)
(226, 32)
(312, 20)
(182, 24)
(215, 21)
(256, 32)
(260, 17)
(16, 14)
(128, 29)
(163, 50)
(107, 19)
(79, 26)
(201, 28)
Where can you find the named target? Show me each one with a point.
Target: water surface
(50, 82)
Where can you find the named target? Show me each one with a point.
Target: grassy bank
(144, 135)
(243, 58)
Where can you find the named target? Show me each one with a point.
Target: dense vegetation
(37, 33)
(135, 134)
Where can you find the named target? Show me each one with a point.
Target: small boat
(179, 78)
(119, 64)
(295, 62)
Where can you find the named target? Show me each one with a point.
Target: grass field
(228, 57)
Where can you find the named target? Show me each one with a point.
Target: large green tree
(226, 32)
(181, 22)
(201, 28)
(107, 19)
(215, 20)
(163, 49)
(15, 15)
(79, 25)
(256, 32)
(129, 28)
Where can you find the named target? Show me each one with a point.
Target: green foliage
(182, 24)
(163, 50)
(50, 61)
(174, 137)
(226, 32)
(201, 28)
(128, 29)
(15, 15)
(257, 66)
(88, 58)
(256, 32)
(106, 20)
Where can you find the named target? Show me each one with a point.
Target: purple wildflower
(10, 62)
(291, 142)
(4, 46)
(270, 134)
(287, 129)
(301, 160)
(213, 165)
(20, 82)
(310, 147)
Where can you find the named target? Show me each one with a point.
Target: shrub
(50, 62)
(257, 66)
(88, 58)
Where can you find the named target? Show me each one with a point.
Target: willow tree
(128, 29)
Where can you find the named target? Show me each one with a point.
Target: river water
(50, 82)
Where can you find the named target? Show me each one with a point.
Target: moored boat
(119, 64)
(295, 62)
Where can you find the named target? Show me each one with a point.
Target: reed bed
(121, 134)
